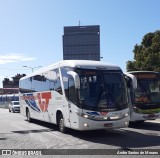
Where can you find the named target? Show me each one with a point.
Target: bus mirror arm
(76, 78)
(131, 81)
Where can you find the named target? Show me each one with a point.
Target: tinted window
(72, 91)
(46, 81)
(102, 90)
(64, 71)
(36, 83)
(56, 84)
(26, 85)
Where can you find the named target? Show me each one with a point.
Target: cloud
(13, 57)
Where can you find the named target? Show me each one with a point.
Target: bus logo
(43, 100)
(30, 100)
(6, 152)
(103, 113)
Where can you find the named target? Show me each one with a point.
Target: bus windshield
(148, 91)
(102, 90)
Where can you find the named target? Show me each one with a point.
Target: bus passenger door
(72, 104)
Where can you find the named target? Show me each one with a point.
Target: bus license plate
(108, 125)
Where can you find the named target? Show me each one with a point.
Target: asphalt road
(17, 133)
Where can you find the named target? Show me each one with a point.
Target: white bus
(145, 99)
(77, 94)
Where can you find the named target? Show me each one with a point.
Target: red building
(11, 86)
(9, 91)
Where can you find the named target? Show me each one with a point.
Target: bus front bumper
(87, 124)
(142, 117)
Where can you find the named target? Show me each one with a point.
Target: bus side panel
(29, 100)
(44, 106)
(57, 102)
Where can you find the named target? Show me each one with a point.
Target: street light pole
(32, 68)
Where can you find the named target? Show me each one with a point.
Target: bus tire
(28, 116)
(61, 125)
(134, 123)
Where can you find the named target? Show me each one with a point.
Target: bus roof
(88, 64)
(136, 72)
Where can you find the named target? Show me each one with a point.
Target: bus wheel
(61, 126)
(28, 116)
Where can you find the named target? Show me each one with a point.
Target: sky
(31, 30)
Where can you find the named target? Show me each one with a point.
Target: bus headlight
(82, 115)
(135, 109)
(85, 116)
(126, 123)
(114, 117)
(126, 115)
(85, 124)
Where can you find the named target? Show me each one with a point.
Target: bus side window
(46, 81)
(37, 83)
(71, 90)
(55, 81)
(26, 85)
(58, 86)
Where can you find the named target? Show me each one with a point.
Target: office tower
(81, 43)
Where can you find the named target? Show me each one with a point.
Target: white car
(14, 106)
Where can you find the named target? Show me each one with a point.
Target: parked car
(14, 106)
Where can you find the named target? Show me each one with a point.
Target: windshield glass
(148, 91)
(102, 90)
(16, 103)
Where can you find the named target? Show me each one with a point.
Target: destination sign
(88, 72)
(147, 76)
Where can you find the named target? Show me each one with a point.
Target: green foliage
(147, 54)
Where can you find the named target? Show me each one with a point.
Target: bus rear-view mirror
(76, 78)
(131, 81)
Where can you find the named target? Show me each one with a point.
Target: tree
(147, 54)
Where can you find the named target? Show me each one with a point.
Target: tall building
(81, 43)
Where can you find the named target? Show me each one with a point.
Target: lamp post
(32, 68)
